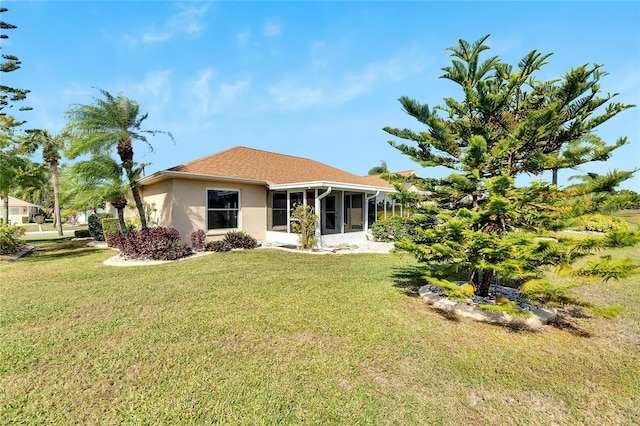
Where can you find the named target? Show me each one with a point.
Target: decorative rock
(27, 249)
(539, 316)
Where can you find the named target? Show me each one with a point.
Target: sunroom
(345, 211)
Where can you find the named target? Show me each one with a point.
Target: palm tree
(51, 146)
(99, 178)
(111, 122)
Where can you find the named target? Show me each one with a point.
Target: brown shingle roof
(248, 163)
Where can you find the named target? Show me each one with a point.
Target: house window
(223, 206)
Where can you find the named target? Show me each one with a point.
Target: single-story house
(19, 211)
(254, 191)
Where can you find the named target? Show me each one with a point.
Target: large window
(223, 206)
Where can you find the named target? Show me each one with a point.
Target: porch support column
(318, 209)
(366, 210)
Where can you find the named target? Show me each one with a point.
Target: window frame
(207, 210)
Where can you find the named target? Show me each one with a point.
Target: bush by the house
(240, 240)
(397, 228)
(110, 225)
(233, 240)
(198, 238)
(10, 238)
(601, 223)
(25, 219)
(156, 243)
(95, 225)
(219, 246)
(81, 233)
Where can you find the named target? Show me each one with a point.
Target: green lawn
(269, 337)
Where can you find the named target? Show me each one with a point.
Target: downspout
(319, 213)
(366, 216)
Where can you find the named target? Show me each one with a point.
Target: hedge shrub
(397, 228)
(156, 243)
(10, 238)
(109, 226)
(95, 225)
(601, 223)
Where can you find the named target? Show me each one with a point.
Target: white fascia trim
(167, 174)
(334, 185)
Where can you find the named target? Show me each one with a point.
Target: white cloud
(155, 84)
(272, 29)
(304, 90)
(189, 20)
(213, 98)
(291, 96)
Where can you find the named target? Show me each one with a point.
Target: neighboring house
(18, 210)
(254, 191)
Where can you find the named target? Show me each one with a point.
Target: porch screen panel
(279, 209)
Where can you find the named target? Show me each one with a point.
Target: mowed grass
(268, 337)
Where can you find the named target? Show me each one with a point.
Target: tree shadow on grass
(50, 249)
(408, 279)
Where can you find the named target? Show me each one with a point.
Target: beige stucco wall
(181, 203)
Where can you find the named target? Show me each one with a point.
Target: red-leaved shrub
(198, 238)
(152, 243)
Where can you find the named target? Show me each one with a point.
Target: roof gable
(253, 164)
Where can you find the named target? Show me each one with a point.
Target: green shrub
(25, 220)
(240, 240)
(219, 246)
(601, 223)
(397, 228)
(10, 238)
(109, 226)
(81, 233)
(304, 222)
(95, 225)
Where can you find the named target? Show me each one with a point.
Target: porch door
(353, 211)
(329, 215)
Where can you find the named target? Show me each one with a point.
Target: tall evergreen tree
(13, 162)
(508, 123)
(111, 122)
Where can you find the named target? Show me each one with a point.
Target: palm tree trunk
(123, 225)
(128, 167)
(138, 200)
(56, 196)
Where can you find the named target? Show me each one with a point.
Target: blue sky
(311, 79)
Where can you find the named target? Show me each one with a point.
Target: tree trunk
(56, 197)
(136, 197)
(123, 225)
(554, 177)
(5, 215)
(485, 282)
(128, 166)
